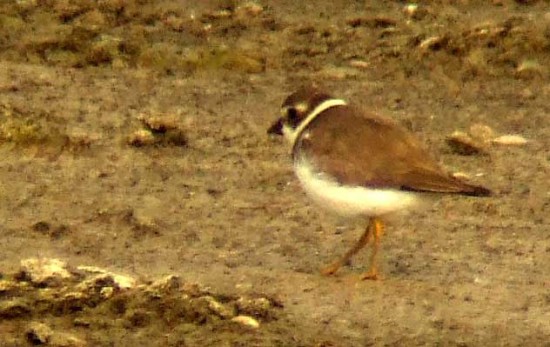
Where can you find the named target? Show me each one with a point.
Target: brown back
(374, 151)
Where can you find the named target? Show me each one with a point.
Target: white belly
(351, 201)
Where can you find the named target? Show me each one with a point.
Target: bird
(358, 163)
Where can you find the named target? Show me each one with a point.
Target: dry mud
(133, 139)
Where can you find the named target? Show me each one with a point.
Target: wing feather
(376, 152)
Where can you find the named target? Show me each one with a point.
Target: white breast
(351, 201)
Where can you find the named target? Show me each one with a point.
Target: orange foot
(371, 275)
(331, 269)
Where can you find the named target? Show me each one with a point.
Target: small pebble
(481, 132)
(158, 123)
(246, 320)
(249, 9)
(39, 333)
(510, 140)
(45, 271)
(337, 73)
(15, 308)
(224, 311)
(166, 284)
(122, 281)
(360, 64)
(432, 43)
(461, 143)
(141, 138)
(411, 10)
(529, 68)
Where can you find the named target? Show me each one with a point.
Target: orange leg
(362, 242)
(378, 231)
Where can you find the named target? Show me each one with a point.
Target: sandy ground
(225, 211)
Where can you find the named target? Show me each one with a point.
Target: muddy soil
(133, 138)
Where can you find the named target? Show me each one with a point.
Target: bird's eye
(292, 116)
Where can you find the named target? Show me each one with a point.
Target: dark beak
(276, 128)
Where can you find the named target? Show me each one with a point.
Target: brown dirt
(133, 137)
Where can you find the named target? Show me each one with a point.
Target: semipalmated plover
(359, 164)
